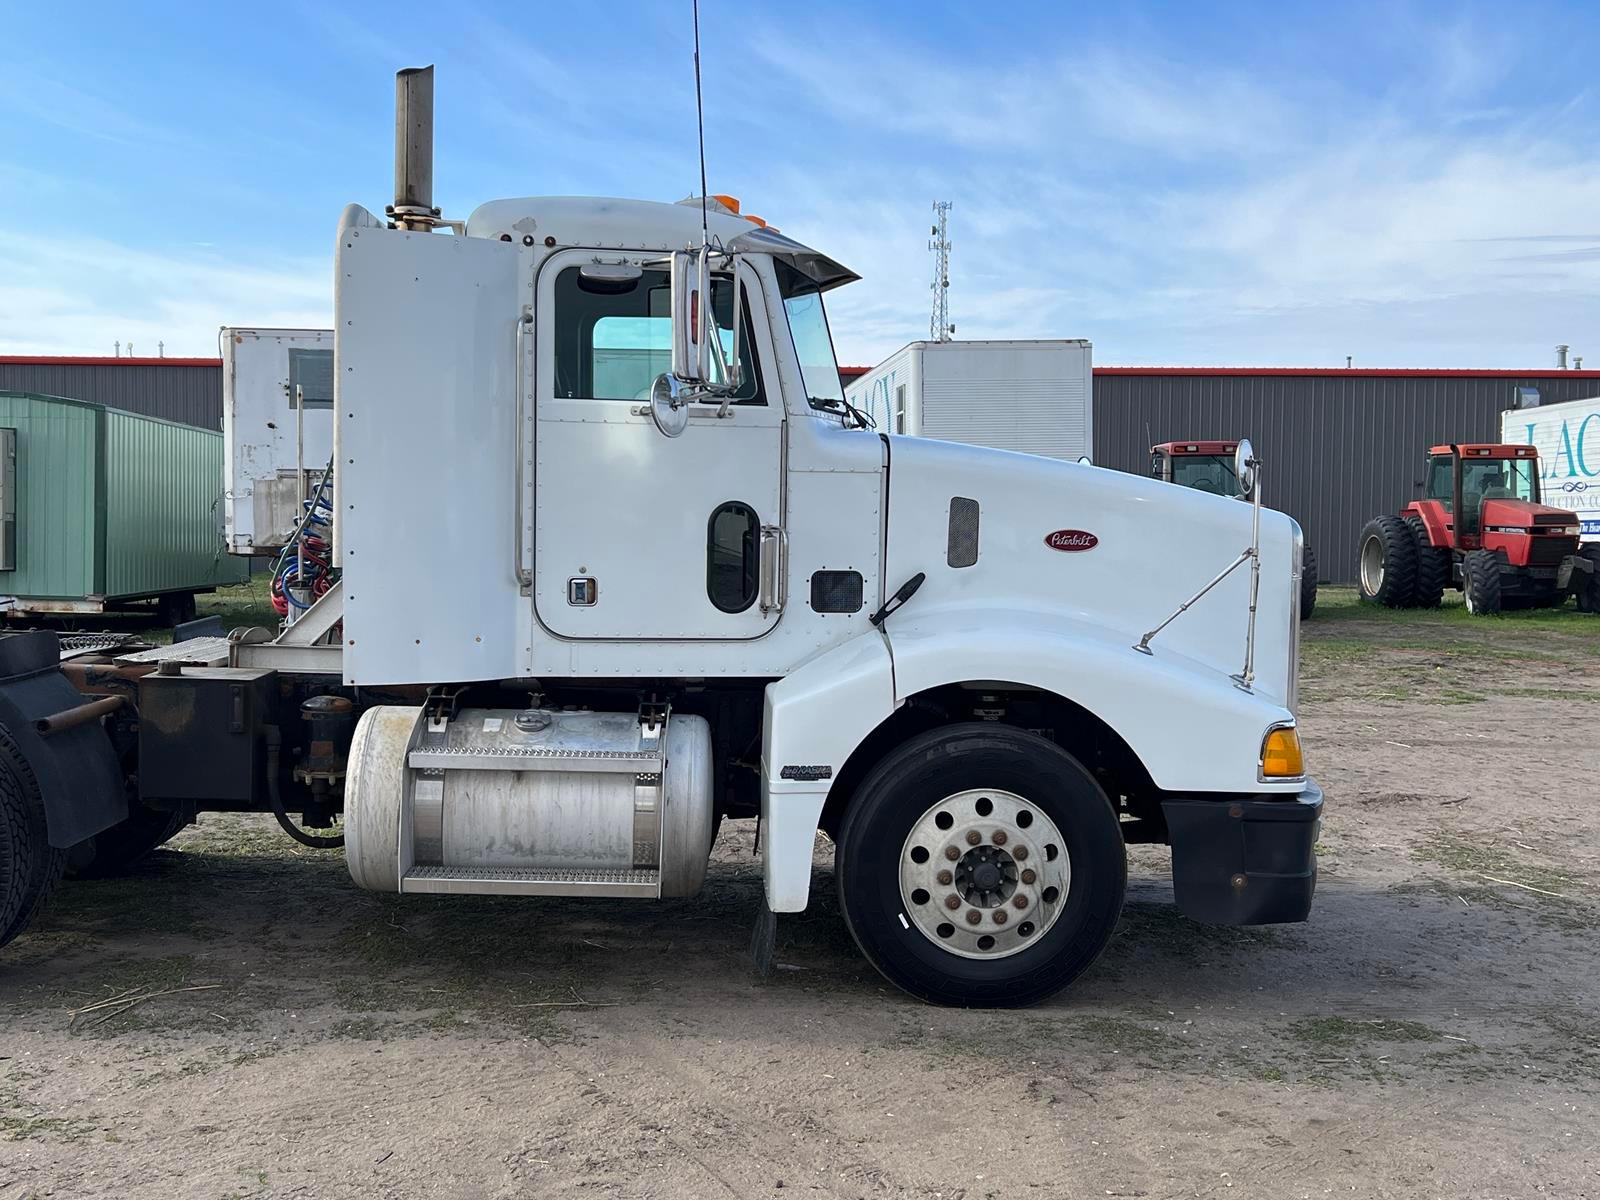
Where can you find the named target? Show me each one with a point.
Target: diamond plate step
(514, 881)
(535, 758)
(199, 652)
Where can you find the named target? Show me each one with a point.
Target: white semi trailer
(1569, 462)
(586, 610)
(277, 425)
(1031, 396)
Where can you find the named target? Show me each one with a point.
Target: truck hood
(1113, 553)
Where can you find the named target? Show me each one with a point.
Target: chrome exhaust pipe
(413, 150)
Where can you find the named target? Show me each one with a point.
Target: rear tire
(1308, 582)
(1043, 797)
(175, 608)
(1589, 592)
(1480, 582)
(1387, 563)
(113, 851)
(1433, 565)
(29, 865)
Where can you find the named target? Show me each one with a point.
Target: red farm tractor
(1479, 527)
(1208, 467)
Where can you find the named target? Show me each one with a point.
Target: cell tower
(939, 327)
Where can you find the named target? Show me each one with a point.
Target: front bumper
(1240, 860)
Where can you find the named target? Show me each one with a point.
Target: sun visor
(814, 265)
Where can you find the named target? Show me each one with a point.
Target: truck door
(637, 535)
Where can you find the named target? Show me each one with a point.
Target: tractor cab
(1473, 488)
(1204, 466)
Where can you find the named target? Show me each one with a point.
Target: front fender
(1191, 727)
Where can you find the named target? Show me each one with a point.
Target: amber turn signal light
(1280, 754)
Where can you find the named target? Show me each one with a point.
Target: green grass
(241, 605)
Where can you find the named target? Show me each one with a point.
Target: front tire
(1387, 563)
(1017, 805)
(1480, 581)
(1589, 592)
(29, 865)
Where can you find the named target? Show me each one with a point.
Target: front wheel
(981, 865)
(1589, 586)
(1480, 582)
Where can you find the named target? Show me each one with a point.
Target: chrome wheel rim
(984, 874)
(1372, 566)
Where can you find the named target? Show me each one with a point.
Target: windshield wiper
(828, 403)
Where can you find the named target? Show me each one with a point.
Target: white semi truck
(1031, 396)
(617, 560)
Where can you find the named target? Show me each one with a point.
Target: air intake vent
(962, 550)
(836, 591)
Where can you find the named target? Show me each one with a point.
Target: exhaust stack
(413, 150)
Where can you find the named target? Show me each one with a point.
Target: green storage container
(107, 506)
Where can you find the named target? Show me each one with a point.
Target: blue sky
(1413, 185)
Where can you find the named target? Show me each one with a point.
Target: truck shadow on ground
(278, 946)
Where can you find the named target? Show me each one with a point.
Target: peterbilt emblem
(1071, 539)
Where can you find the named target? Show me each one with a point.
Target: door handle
(774, 569)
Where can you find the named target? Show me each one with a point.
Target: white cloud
(81, 295)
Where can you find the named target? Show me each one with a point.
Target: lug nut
(952, 901)
(1020, 853)
(999, 916)
(973, 916)
(973, 837)
(952, 853)
(1028, 876)
(1019, 902)
(944, 878)
(999, 838)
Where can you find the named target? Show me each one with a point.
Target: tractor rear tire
(1480, 581)
(1433, 566)
(1589, 590)
(1387, 563)
(1308, 582)
(30, 866)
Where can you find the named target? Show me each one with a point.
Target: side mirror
(701, 360)
(1245, 465)
(669, 405)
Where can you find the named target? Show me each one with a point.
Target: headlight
(1280, 754)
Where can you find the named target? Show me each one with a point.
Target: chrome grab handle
(524, 575)
(774, 568)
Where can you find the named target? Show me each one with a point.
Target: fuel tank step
(503, 757)
(512, 881)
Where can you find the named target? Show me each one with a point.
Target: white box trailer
(1569, 465)
(1033, 396)
(275, 449)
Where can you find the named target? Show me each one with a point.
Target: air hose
(314, 840)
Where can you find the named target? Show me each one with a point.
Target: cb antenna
(700, 123)
(939, 327)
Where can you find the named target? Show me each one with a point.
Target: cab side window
(614, 336)
(1441, 481)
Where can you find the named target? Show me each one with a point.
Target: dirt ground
(1433, 1031)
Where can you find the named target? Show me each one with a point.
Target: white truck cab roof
(645, 225)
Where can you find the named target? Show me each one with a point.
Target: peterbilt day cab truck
(682, 580)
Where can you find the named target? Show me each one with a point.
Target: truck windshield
(1206, 473)
(813, 343)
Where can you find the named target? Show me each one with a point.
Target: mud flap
(79, 777)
